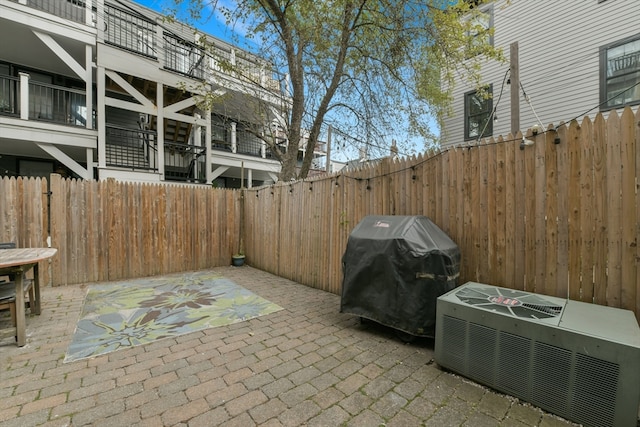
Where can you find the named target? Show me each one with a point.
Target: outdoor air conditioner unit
(580, 361)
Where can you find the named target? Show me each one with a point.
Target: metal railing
(257, 73)
(73, 10)
(9, 99)
(248, 143)
(129, 31)
(57, 104)
(181, 162)
(184, 57)
(131, 148)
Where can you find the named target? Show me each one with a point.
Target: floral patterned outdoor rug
(135, 312)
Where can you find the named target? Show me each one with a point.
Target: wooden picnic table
(16, 263)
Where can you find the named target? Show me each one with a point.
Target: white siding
(559, 43)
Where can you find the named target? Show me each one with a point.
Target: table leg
(20, 314)
(35, 308)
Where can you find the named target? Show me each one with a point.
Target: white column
(249, 178)
(234, 142)
(197, 136)
(102, 122)
(89, 84)
(90, 163)
(160, 127)
(100, 22)
(208, 156)
(88, 7)
(24, 96)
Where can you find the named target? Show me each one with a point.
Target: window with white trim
(480, 23)
(620, 73)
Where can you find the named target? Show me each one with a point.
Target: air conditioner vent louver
(514, 363)
(580, 361)
(551, 376)
(483, 341)
(596, 380)
(553, 310)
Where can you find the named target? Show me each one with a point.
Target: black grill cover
(395, 268)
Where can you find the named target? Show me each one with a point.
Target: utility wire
(495, 107)
(603, 102)
(526, 98)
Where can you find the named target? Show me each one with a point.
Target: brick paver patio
(305, 365)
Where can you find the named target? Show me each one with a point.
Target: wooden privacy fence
(109, 230)
(560, 217)
(555, 218)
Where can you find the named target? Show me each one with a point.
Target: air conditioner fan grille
(509, 302)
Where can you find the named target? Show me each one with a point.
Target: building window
(479, 24)
(620, 73)
(478, 107)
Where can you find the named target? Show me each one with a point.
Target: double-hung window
(479, 25)
(478, 107)
(620, 73)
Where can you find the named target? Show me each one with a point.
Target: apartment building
(574, 58)
(100, 89)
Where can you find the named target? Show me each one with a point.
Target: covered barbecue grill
(395, 267)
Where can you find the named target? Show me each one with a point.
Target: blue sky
(211, 23)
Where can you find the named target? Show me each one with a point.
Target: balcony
(183, 57)
(183, 162)
(73, 10)
(136, 34)
(226, 137)
(137, 150)
(44, 102)
(130, 32)
(131, 149)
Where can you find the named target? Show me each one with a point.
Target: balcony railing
(182, 162)
(243, 142)
(56, 104)
(73, 10)
(134, 33)
(184, 57)
(129, 31)
(43, 102)
(9, 99)
(249, 144)
(131, 148)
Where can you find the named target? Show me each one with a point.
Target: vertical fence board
(574, 210)
(540, 226)
(628, 228)
(563, 161)
(483, 251)
(491, 245)
(614, 210)
(514, 240)
(475, 231)
(587, 229)
(500, 238)
(600, 211)
(548, 282)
